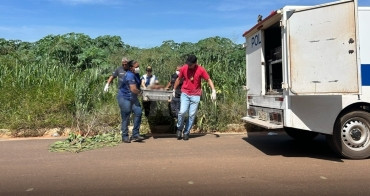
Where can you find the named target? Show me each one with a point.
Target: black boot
(178, 134)
(126, 140)
(137, 138)
(186, 137)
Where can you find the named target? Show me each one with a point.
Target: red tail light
(279, 99)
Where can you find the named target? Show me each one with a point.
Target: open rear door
(323, 49)
(254, 58)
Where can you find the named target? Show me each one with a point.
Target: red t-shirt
(192, 79)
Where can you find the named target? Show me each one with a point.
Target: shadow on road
(166, 135)
(282, 144)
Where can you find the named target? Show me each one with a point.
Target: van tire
(300, 135)
(351, 135)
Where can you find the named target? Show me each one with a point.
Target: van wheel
(351, 135)
(299, 134)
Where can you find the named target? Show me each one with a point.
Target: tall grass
(58, 83)
(34, 97)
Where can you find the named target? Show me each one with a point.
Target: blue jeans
(188, 104)
(126, 107)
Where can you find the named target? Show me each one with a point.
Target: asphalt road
(225, 164)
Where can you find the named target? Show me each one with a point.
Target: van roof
(272, 18)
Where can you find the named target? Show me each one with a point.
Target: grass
(58, 82)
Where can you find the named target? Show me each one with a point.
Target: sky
(140, 23)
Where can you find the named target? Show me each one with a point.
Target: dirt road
(227, 164)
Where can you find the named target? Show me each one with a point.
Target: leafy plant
(78, 143)
(58, 81)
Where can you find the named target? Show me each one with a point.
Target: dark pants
(174, 107)
(146, 105)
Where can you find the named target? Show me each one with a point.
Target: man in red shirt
(191, 90)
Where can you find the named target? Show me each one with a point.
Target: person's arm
(213, 95)
(110, 79)
(168, 85)
(172, 80)
(133, 89)
(176, 83)
(143, 83)
(210, 83)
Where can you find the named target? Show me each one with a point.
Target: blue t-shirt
(128, 79)
(119, 73)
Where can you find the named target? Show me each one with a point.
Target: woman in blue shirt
(128, 102)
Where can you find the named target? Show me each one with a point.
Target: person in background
(118, 73)
(191, 90)
(148, 81)
(128, 102)
(174, 105)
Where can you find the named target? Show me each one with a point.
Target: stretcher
(157, 95)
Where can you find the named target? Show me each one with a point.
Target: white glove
(213, 95)
(173, 93)
(106, 87)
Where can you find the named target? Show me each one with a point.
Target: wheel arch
(359, 106)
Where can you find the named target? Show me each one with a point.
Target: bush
(58, 81)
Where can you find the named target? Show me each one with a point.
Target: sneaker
(137, 138)
(178, 134)
(186, 137)
(126, 140)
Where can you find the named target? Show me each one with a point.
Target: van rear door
(254, 58)
(323, 49)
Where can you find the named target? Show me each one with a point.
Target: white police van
(308, 71)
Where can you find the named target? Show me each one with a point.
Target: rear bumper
(269, 118)
(262, 123)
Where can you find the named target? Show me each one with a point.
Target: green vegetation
(77, 143)
(58, 81)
